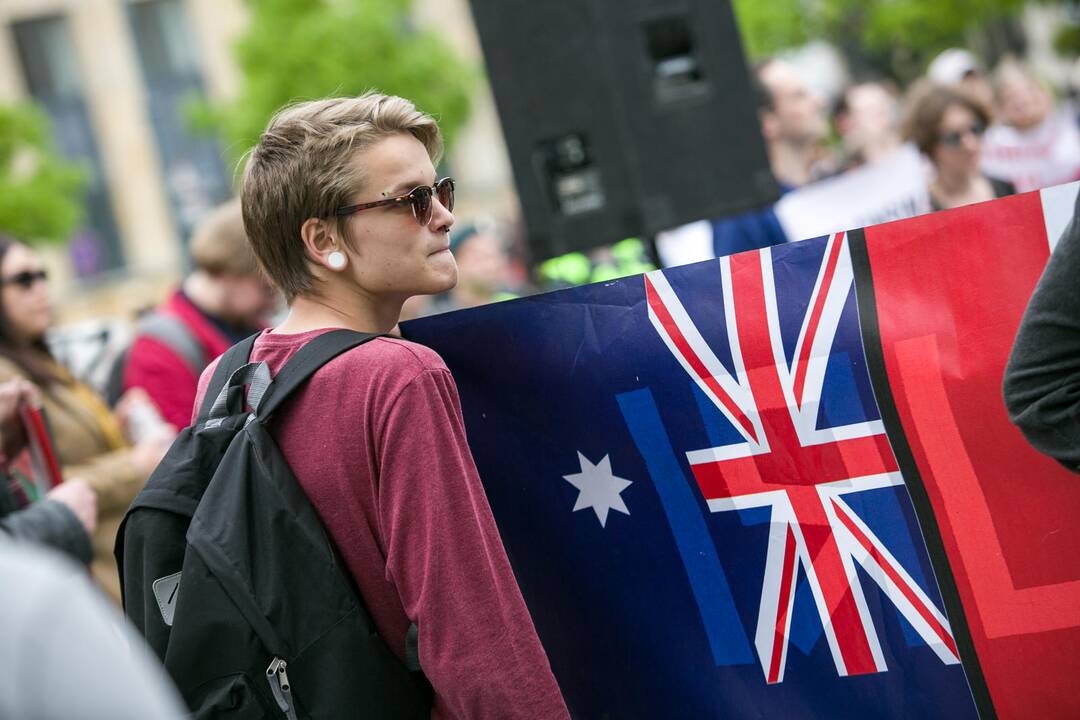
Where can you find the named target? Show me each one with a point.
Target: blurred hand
(12, 434)
(80, 499)
(140, 418)
(129, 403)
(147, 453)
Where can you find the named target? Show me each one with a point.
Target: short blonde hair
(220, 245)
(301, 168)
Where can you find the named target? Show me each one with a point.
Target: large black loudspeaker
(623, 117)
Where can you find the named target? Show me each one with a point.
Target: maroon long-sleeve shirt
(376, 440)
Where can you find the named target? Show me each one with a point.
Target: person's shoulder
(203, 385)
(400, 353)
(391, 358)
(1001, 187)
(383, 369)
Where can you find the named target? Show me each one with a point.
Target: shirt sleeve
(165, 376)
(50, 523)
(1042, 379)
(477, 643)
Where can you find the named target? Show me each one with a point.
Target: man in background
(958, 66)
(867, 118)
(225, 299)
(793, 123)
(795, 128)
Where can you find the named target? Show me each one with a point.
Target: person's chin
(442, 280)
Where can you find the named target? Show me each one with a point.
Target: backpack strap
(174, 332)
(233, 359)
(164, 328)
(231, 400)
(305, 362)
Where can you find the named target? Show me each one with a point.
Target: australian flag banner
(783, 483)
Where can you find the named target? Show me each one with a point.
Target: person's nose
(441, 217)
(972, 142)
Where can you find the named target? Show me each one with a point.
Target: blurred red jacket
(163, 372)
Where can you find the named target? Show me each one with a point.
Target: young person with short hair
(347, 217)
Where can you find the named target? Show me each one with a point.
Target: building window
(193, 170)
(51, 72)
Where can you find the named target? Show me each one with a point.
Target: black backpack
(231, 577)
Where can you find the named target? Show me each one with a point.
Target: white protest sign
(891, 189)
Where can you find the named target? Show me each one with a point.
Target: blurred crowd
(961, 134)
(981, 133)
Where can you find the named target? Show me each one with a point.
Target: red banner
(950, 290)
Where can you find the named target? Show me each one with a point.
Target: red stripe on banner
(943, 634)
(815, 317)
(950, 291)
(787, 587)
(673, 331)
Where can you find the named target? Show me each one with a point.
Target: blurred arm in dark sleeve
(1042, 379)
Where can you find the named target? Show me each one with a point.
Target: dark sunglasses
(418, 197)
(953, 139)
(25, 279)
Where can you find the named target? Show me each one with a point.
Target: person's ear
(321, 243)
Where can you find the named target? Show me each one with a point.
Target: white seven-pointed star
(598, 488)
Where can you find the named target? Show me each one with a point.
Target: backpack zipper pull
(279, 685)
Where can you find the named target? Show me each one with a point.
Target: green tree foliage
(898, 36)
(768, 27)
(297, 50)
(40, 192)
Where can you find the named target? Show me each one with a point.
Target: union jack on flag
(773, 400)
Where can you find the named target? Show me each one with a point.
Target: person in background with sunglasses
(947, 125)
(89, 440)
(346, 214)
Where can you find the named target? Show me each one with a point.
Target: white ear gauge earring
(336, 260)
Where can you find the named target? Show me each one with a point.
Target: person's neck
(341, 308)
(880, 148)
(204, 292)
(791, 162)
(954, 184)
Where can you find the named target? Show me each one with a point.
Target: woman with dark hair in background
(947, 125)
(89, 440)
